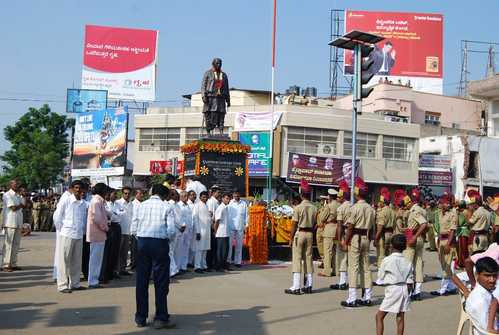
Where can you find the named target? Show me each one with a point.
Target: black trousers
(111, 252)
(222, 252)
(214, 120)
(133, 251)
(85, 257)
(211, 255)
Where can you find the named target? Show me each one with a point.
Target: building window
(366, 145)
(398, 148)
(432, 118)
(312, 141)
(159, 139)
(195, 133)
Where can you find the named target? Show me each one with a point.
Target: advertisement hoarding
(323, 171)
(258, 158)
(435, 178)
(160, 167)
(100, 143)
(121, 61)
(81, 100)
(434, 161)
(412, 51)
(251, 121)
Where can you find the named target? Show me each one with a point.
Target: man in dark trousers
(112, 247)
(154, 225)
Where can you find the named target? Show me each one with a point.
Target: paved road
(250, 301)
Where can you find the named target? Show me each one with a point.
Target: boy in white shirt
(222, 233)
(395, 273)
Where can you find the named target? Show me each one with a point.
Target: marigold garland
(280, 228)
(257, 235)
(222, 147)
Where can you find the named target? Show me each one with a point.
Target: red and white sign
(121, 61)
(160, 167)
(412, 49)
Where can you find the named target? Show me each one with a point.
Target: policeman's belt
(444, 236)
(307, 230)
(480, 232)
(331, 222)
(362, 232)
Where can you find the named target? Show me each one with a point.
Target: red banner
(324, 171)
(160, 167)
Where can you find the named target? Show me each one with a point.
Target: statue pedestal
(220, 162)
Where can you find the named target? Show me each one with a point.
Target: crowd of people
(399, 226)
(100, 235)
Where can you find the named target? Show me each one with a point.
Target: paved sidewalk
(250, 301)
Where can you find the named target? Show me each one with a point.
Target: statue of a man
(215, 94)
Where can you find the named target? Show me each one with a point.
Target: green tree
(39, 148)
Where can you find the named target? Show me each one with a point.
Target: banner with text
(434, 161)
(323, 171)
(250, 121)
(435, 178)
(100, 143)
(258, 158)
(81, 101)
(121, 61)
(412, 52)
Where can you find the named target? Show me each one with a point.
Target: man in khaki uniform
(416, 226)
(385, 222)
(37, 206)
(304, 220)
(342, 215)
(321, 213)
(431, 212)
(330, 228)
(478, 222)
(447, 223)
(361, 220)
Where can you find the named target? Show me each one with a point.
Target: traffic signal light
(366, 72)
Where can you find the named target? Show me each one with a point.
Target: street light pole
(356, 106)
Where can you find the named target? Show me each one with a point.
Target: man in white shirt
(238, 216)
(70, 220)
(153, 225)
(478, 302)
(193, 184)
(222, 233)
(202, 222)
(191, 201)
(184, 238)
(125, 211)
(213, 203)
(13, 221)
(173, 200)
(139, 196)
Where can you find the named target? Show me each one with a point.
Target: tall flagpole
(271, 129)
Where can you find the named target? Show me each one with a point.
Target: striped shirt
(155, 218)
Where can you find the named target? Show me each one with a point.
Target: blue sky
(42, 42)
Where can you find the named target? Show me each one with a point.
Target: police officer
(478, 222)
(342, 215)
(304, 220)
(322, 213)
(361, 220)
(416, 226)
(431, 212)
(329, 234)
(385, 222)
(447, 222)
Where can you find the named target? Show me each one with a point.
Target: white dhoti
(396, 299)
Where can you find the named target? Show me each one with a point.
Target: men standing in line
(112, 246)
(153, 225)
(361, 220)
(416, 226)
(304, 220)
(222, 233)
(13, 221)
(212, 204)
(385, 221)
(447, 222)
(70, 219)
(184, 239)
(238, 210)
(342, 215)
(479, 222)
(125, 210)
(139, 196)
(329, 217)
(97, 228)
(202, 220)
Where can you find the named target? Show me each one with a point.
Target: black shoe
(190, 266)
(451, 292)
(198, 271)
(160, 324)
(290, 291)
(66, 290)
(116, 276)
(342, 287)
(416, 297)
(208, 270)
(321, 266)
(366, 303)
(125, 273)
(141, 324)
(307, 290)
(95, 286)
(436, 293)
(349, 304)
(237, 265)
